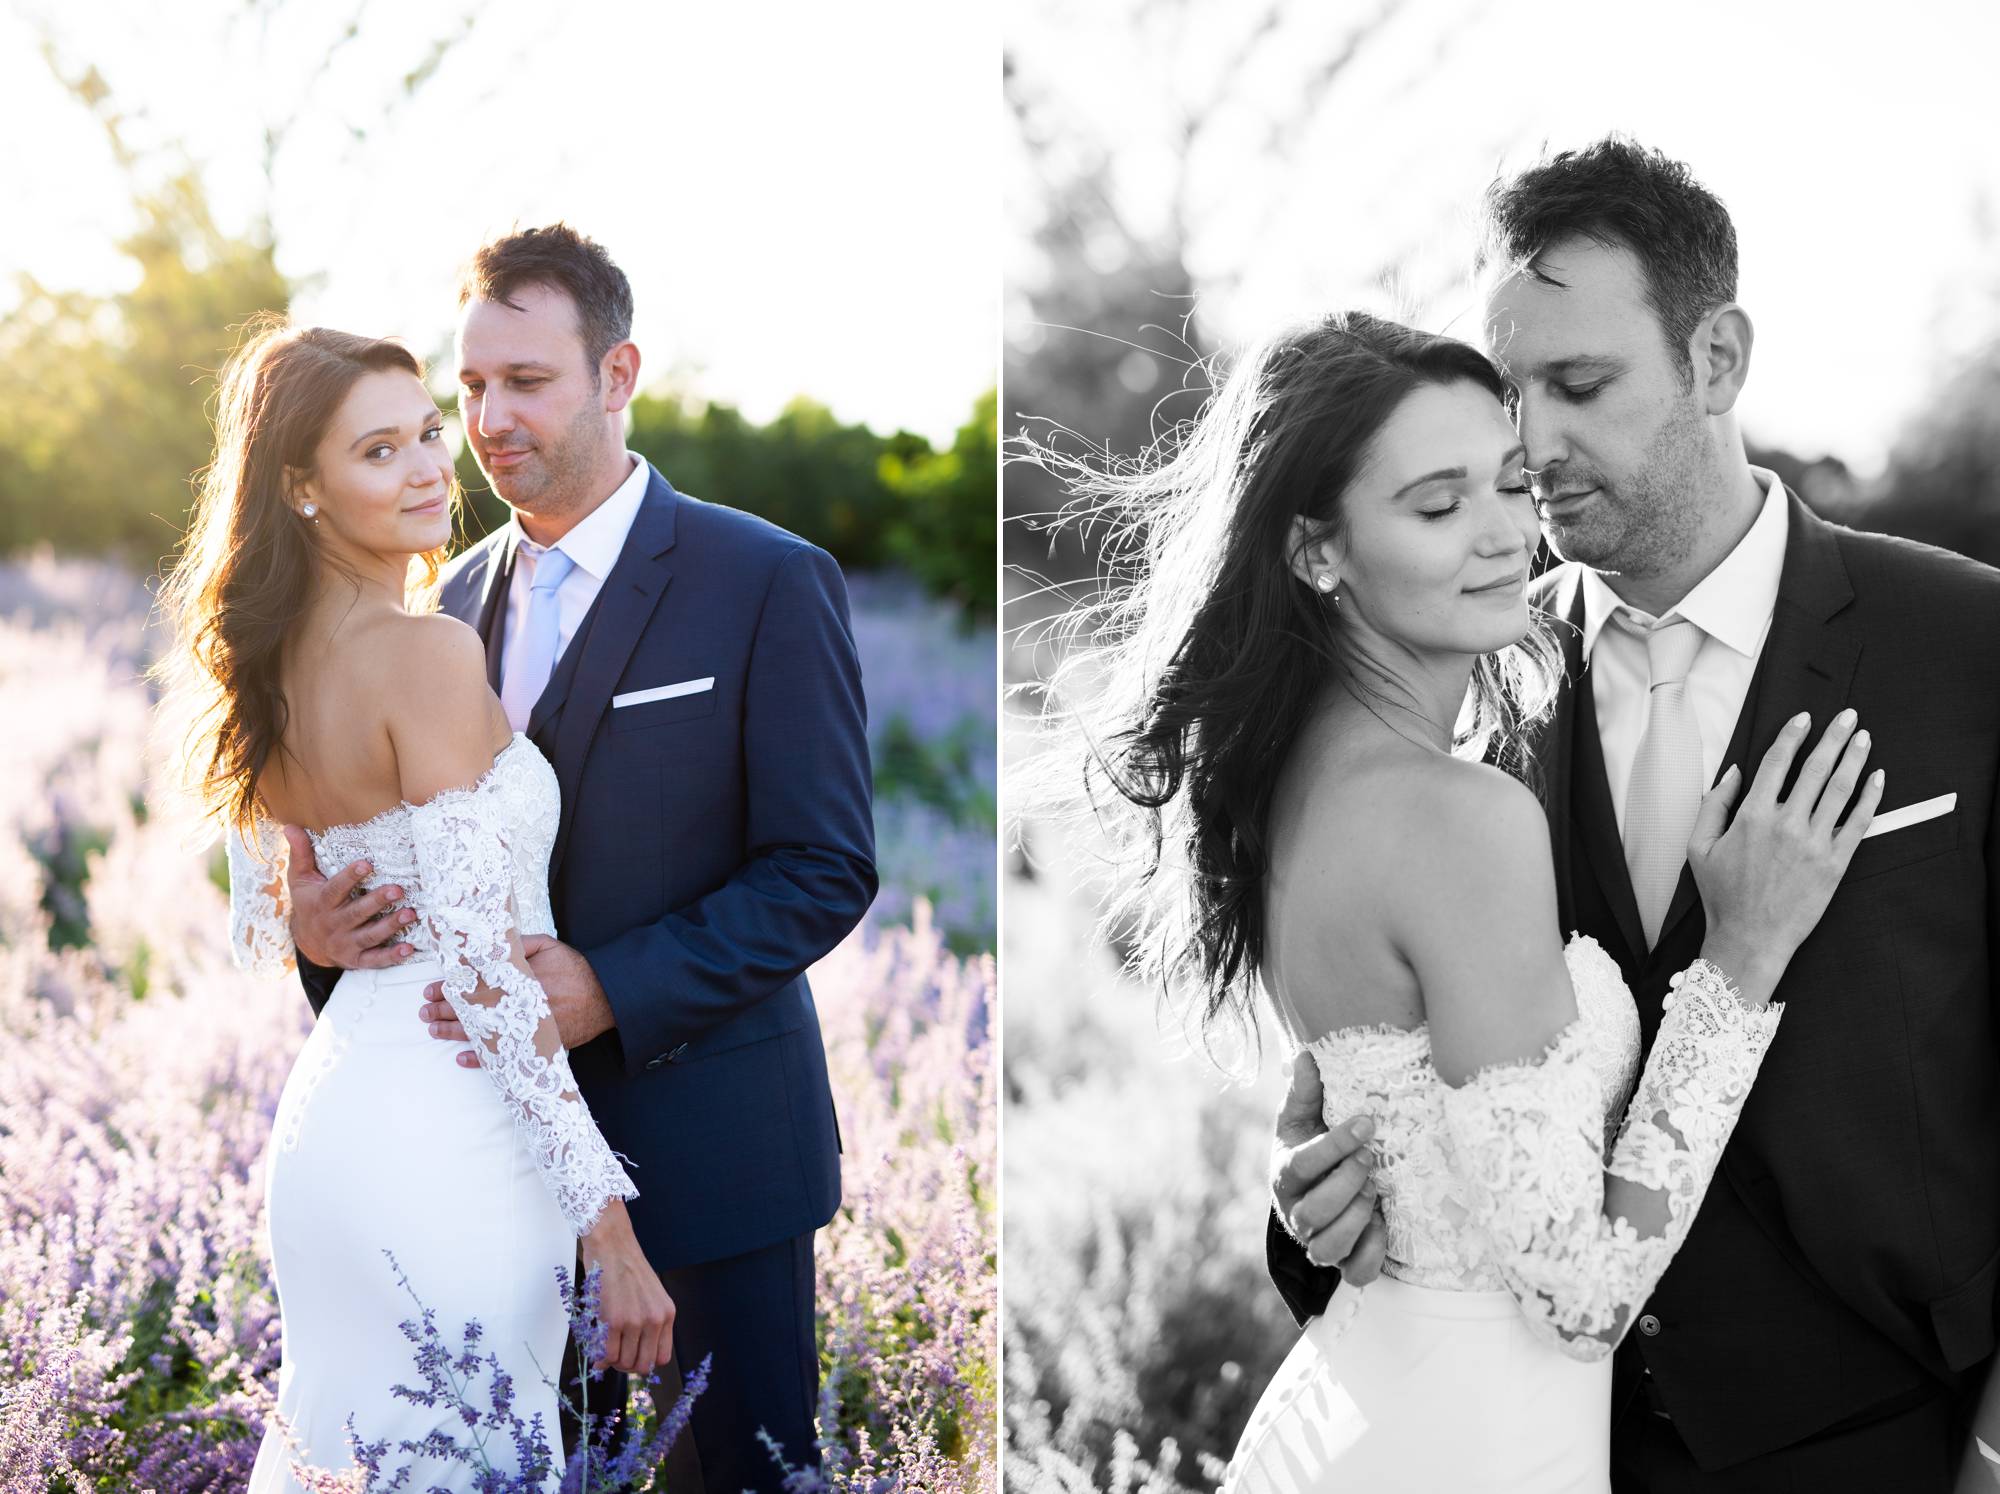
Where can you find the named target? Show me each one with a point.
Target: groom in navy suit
(690, 672)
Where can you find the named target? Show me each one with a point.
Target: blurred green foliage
(102, 399)
(104, 405)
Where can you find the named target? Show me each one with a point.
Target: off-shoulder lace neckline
(403, 806)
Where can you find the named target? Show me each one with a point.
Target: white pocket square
(1911, 814)
(668, 692)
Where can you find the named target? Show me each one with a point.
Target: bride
(325, 696)
(1304, 709)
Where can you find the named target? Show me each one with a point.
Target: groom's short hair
(559, 258)
(1618, 193)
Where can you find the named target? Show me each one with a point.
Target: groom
(690, 672)
(1830, 1318)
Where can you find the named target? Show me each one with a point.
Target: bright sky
(802, 194)
(1857, 147)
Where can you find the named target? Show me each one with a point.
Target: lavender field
(1141, 1326)
(139, 1072)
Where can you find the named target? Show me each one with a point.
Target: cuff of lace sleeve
(1710, 980)
(1706, 1001)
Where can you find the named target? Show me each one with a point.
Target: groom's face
(1614, 439)
(532, 406)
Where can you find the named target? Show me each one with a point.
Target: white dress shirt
(593, 546)
(1732, 605)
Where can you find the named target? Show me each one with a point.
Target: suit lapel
(1807, 663)
(566, 717)
(1565, 610)
(491, 618)
(1597, 822)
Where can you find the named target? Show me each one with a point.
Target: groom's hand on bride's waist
(1321, 1181)
(576, 1000)
(334, 922)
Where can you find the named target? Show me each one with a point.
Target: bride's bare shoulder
(444, 721)
(1432, 805)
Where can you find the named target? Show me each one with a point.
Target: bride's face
(381, 477)
(1439, 527)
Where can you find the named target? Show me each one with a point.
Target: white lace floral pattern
(260, 915)
(1499, 1183)
(473, 863)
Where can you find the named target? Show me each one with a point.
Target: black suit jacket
(713, 844)
(1848, 1250)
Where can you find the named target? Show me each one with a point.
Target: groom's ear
(619, 376)
(1721, 356)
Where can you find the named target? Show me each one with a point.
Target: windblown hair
(1618, 194)
(249, 565)
(1184, 683)
(559, 258)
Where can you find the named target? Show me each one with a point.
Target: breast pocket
(1904, 844)
(662, 705)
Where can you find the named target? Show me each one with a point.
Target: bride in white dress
(1316, 641)
(324, 700)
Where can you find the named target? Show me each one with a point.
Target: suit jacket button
(1649, 1325)
(675, 1056)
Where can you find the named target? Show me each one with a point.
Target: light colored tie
(533, 655)
(1665, 791)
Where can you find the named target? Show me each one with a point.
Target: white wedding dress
(479, 1187)
(1481, 1358)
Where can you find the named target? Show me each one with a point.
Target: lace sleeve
(1580, 1241)
(260, 914)
(467, 906)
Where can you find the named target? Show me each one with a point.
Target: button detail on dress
(1649, 1325)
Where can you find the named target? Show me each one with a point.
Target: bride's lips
(1506, 586)
(434, 506)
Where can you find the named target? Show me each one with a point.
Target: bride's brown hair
(249, 564)
(1184, 682)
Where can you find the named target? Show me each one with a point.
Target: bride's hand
(333, 927)
(638, 1314)
(1766, 880)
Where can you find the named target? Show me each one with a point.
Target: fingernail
(1803, 719)
(364, 868)
(1880, 776)
(1845, 718)
(1861, 736)
(1363, 1129)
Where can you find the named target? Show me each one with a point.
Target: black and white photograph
(1501, 507)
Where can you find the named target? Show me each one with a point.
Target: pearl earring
(310, 510)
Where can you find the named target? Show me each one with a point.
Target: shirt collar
(598, 539)
(1731, 603)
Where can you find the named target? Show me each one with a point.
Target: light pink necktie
(1666, 786)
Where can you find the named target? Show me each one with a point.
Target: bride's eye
(1439, 513)
(433, 432)
(382, 448)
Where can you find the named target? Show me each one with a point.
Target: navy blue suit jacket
(712, 846)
